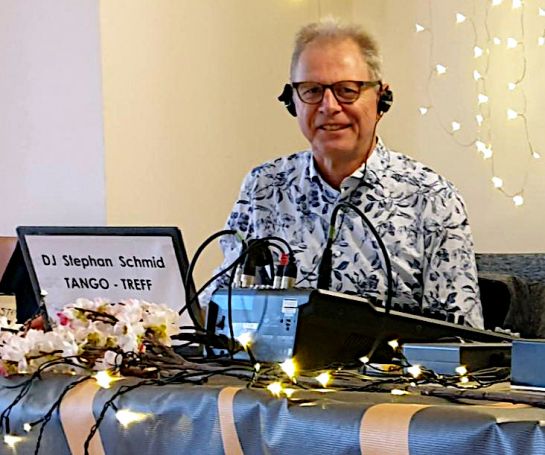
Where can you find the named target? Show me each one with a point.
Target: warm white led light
(511, 86)
(414, 371)
(536, 155)
(464, 379)
(27, 427)
(477, 51)
(423, 110)
(541, 12)
(257, 367)
(516, 4)
(275, 388)
(104, 379)
(127, 417)
(399, 392)
(455, 126)
(518, 200)
(512, 43)
(541, 41)
(288, 391)
(497, 182)
(461, 370)
(441, 69)
(477, 75)
(289, 367)
(324, 378)
(245, 339)
(496, 2)
(487, 153)
(480, 145)
(496, 41)
(12, 440)
(482, 98)
(394, 344)
(460, 18)
(364, 359)
(419, 28)
(479, 119)
(511, 114)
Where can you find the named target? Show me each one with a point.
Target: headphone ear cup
(286, 97)
(385, 100)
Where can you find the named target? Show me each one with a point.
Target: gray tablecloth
(184, 419)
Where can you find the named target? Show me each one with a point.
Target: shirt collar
(372, 169)
(313, 171)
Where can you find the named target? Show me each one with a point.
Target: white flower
(111, 360)
(77, 331)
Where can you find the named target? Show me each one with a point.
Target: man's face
(338, 132)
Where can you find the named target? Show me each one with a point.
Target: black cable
(189, 275)
(200, 249)
(361, 182)
(386, 257)
(233, 264)
(246, 248)
(208, 283)
(281, 240)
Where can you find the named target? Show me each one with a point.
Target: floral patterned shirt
(419, 215)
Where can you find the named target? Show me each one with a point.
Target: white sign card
(116, 267)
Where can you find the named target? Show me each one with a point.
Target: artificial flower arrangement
(90, 335)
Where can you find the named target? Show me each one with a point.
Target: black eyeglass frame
(361, 86)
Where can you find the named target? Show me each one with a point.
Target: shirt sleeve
(450, 272)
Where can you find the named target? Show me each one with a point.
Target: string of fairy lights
(488, 44)
(281, 380)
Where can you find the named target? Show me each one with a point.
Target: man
(338, 96)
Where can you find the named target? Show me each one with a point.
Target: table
(225, 417)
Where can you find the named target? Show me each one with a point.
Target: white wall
(51, 132)
(498, 226)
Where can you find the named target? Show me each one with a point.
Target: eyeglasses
(344, 91)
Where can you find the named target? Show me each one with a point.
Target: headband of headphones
(385, 100)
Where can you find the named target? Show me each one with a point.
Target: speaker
(385, 100)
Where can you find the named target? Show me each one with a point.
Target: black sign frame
(173, 233)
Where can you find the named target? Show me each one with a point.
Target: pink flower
(63, 319)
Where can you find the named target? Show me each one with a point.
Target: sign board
(107, 262)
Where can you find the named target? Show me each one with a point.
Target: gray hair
(330, 29)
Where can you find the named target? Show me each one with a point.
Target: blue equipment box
(528, 365)
(444, 358)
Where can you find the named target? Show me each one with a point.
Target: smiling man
(338, 96)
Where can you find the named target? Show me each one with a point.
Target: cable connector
(279, 272)
(290, 273)
(247, 278)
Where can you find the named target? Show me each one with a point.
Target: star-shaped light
(441, 69)
(497, 182)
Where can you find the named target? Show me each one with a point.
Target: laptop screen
(114, 263)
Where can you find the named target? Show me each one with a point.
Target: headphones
(385, 100)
